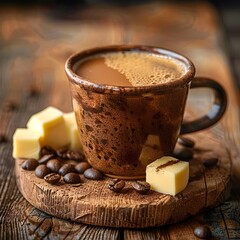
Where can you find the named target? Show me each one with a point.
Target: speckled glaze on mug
(123, 129)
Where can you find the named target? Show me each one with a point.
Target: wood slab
(93, 203)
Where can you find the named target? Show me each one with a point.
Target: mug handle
(217, 110)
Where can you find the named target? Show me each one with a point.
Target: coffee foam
(142, 68)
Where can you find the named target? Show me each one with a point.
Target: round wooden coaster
(93, 203)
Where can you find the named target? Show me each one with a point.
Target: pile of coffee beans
(53, 165)
(117, 185)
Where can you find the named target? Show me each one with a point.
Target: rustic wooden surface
(93, 203)
(34, 46)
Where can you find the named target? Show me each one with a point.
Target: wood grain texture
(34, 46)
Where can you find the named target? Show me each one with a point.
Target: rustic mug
(124, 128)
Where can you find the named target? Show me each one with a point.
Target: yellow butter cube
(74, 135)
(51, 126)
(26, 143)
(168, 175)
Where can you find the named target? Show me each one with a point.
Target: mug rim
(183, 80)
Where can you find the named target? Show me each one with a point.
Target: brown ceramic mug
(124, 128)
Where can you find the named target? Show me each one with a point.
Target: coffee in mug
(130, 69)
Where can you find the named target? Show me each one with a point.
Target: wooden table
(35, 43)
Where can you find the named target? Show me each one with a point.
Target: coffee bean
(72, 178)
(116, 185)
(66, 168)
(41, 171)
(141, 187)
(82, 166)
(62, 152)
(183, 153)
(52, 178)
(47, 150)
(93, 174)
(73, 162)
(187, 142)
(202, 232)
(30, 164)
(54, 165)
(75, 155)
(45, 158)
(209, 159)
(210, 162)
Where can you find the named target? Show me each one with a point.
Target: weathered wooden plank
(34, 46)
(224, 220)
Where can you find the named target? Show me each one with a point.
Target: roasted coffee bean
(66, 168)
(82, 166)
(210, 162)
(47, 150)
(183, 153)
(72, 178)
(73, 162)
(116, 185)
(41, 171)
(52, 178)
(209, 159)
(74, 155)
(93, 174)
(30, 164)
(45, 158)
(141, 187)
(62, 152)
(54, 165)
(187, 142)
(202, 232)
